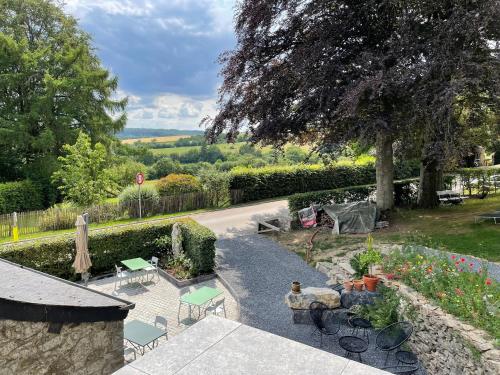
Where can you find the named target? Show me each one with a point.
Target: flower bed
(451, 284)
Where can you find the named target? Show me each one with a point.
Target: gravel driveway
(260, 273)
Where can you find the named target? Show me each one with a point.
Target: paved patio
(161, 298)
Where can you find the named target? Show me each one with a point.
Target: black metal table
(353, 344)
(358, 323)
(407, 358)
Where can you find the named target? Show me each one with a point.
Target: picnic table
(136, 264)
(141, 335)
(198, 298)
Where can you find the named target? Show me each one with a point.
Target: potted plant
(369, 258)
(358, 285)
(348, 286)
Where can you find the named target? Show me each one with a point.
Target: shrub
(129, 200)
(199, 245)
(384, 310)
(108, 247)
(56, 218)
(175, 184)
(124, 174)
(275, 181)
(405, 193)
(360, 268)
(20, 196)
(216, 184)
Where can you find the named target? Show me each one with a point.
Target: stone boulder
(301, 301)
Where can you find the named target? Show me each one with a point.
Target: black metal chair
(393, 336)
(324, 319)
(401, 369)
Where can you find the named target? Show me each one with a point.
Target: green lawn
(450, 228)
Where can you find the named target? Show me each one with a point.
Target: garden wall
(445, 345)
(85, 348)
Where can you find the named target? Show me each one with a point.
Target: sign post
(15, 228)
(139, 179)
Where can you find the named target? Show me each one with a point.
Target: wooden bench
(450, 197)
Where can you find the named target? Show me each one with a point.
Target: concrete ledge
(184, 283)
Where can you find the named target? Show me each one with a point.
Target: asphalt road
(242, 220)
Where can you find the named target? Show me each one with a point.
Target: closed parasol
(82, 261)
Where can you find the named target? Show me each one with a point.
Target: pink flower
(488, 281)
(471, 265)
(462, 260)
(457, 263)
(453, 257)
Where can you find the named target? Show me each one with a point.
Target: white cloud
(172, 111)
(80, 8)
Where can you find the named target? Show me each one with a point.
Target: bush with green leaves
(181, 267)
(385, 309)
(107, 247)
(276, 181)
(129, 200)
(216, 184)
(175, 184)
(370, 257)
(360, 268)
(20, 196)
(124, 173)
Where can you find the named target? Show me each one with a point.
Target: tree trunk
(431, 180)
(385, 172)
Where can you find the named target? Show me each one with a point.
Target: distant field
(168, 138)
(224, 147)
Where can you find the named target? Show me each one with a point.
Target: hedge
(269, 182)
(20, 196)
(405, 193)
(110, 246)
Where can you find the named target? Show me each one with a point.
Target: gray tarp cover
(356, 217)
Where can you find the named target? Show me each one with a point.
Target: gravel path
(260, 273)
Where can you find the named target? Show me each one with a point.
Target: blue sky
(164, 53)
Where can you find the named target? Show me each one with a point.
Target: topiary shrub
(108, 247)
(175, 184)
(129, 200)
(20, 196)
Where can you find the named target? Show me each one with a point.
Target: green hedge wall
(109, 246)
(269, 182)
(20, 196)
(405, 193)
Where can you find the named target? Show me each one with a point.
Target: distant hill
(130, 133)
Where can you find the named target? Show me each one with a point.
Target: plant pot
(370, 282)
(358, 285)
(348, 286)
(296, 287)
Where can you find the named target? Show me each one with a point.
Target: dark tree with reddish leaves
(326, 72)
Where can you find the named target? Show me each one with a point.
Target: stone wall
(85, 348)
(444, 344)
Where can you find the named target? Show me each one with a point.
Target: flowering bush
(453, 284)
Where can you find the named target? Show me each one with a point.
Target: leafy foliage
(109, 246)
(370, 257)
(384, 310)
(360, 268)
(124, 173)
(181, 267)
(150, 199)
(217, 185)
(175, 184)
(52, 87)
(83, 176)
(20, 196)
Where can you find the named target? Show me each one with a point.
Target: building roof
(30, 295)
(219, 346)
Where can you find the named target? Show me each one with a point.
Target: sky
(164, 53)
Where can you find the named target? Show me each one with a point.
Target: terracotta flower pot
(358, 285)
(370, 282)
(296, 287)
(348, 286)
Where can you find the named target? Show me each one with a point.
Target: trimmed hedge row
(20, 196)
(269, 182)
(405, 193)
(110, 246)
